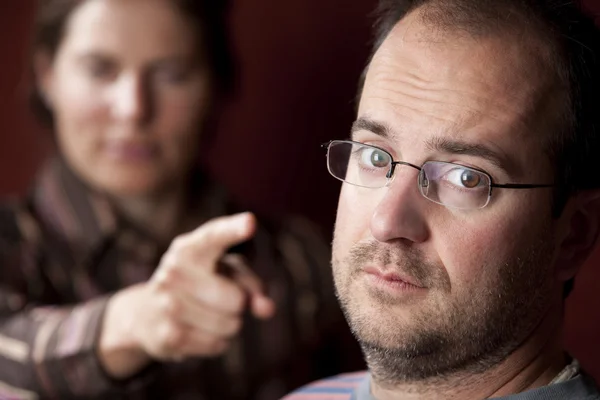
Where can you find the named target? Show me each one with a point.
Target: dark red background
(300, 63)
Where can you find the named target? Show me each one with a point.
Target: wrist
(119, 352)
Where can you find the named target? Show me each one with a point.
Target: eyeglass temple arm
(519, 186)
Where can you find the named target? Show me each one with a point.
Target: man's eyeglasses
(451, 185)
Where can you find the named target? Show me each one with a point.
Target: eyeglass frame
(393, 165)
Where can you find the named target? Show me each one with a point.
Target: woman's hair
(207, 16)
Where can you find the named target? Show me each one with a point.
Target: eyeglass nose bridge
(390, 174)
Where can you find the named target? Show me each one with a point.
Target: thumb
(261, 306)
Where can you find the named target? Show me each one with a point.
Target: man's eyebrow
(378, 128)
(453, 146)
(445, 145)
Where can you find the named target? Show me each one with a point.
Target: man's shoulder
(339, 387)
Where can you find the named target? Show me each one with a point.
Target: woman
(103, 293)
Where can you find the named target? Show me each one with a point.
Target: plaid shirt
(69, 250)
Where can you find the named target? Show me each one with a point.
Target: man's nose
(400, 215)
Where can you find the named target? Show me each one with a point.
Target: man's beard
(470, 334)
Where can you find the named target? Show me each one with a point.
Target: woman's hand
(187, 309)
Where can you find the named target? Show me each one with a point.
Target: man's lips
(392, 275)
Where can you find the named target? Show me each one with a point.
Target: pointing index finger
(211, 240)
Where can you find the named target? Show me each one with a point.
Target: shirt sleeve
(47, 351)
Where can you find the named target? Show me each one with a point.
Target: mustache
(407, 260)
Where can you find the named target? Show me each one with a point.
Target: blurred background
(300, 61)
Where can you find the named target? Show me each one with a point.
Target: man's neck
(534, 364)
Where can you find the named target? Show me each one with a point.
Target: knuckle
(156, 287)
(172, 336)
(218, 347)
(171, 274)
(214, 346)
(179, 243)
(169, 260)
(170, 305)
(237, 298)
(166, 277)
(160, 285)
(227, 293)
(233, 326)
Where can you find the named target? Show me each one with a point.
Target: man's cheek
(353, 216)
(468, 258)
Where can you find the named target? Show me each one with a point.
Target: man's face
(430, 290)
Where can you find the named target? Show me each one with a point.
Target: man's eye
(375, 158)
(465, 178)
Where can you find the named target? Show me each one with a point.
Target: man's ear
(581, 232)
(43, 75)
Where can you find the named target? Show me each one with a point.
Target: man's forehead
(496, 75)
(521, 58)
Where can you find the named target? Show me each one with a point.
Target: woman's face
(128, 87)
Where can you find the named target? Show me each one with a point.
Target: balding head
(561, 41)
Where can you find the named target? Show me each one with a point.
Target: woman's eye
(101, 70)
(172, 74)
(375, 158)
(465, 178)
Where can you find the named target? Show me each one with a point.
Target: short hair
(208, 17)
(572, 38)
(574, 42)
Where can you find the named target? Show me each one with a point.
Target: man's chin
(375, 309)
(380, 327)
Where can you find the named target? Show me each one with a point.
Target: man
(470, 200)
